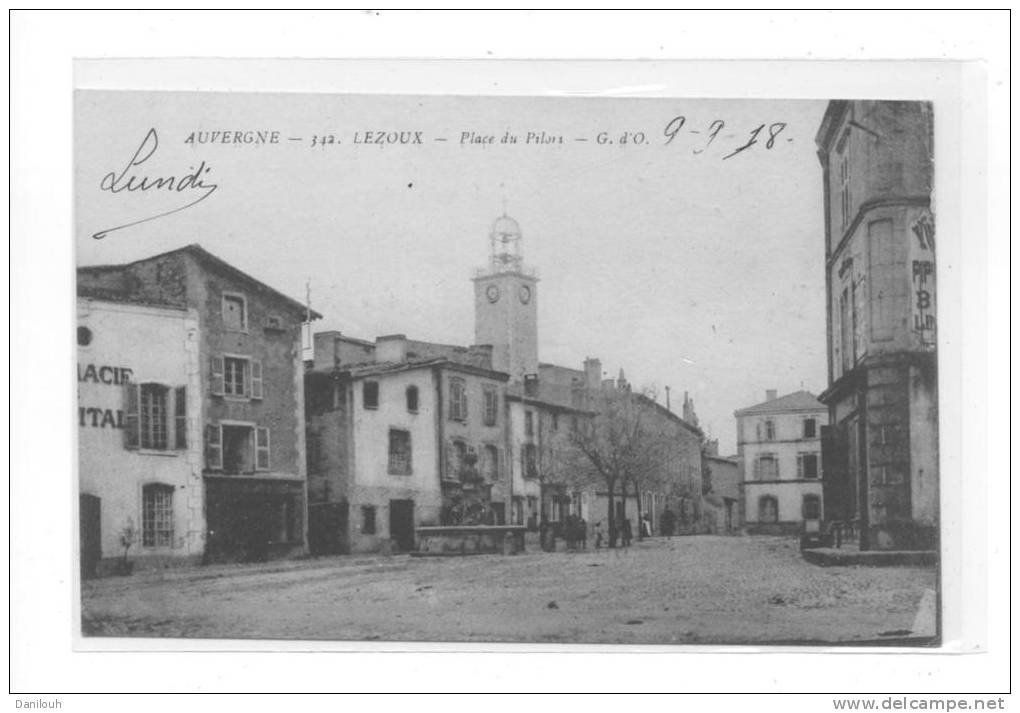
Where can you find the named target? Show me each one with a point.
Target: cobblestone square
(686, 590)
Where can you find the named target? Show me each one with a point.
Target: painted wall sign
(922, 276)
(115, 375)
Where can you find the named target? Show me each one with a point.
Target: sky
(667, 255)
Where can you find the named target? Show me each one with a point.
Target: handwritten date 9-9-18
(676, 125)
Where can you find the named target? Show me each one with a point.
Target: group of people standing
(575, 531)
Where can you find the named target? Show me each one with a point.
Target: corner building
(249, 395)
(881, 454)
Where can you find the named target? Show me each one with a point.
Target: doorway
(89, 535)
(402, 524)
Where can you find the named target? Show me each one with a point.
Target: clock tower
(506, 314)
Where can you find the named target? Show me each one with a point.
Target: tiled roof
(797, 401)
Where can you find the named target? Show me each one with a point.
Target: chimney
(326, 349)
(391, 348)
(592, 373)
(531, 384)
(770, 394)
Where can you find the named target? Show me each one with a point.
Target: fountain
(467, 521)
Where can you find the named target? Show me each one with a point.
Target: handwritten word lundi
(131, 180)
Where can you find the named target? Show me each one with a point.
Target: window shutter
(213, 447)
(180, 418)
(757, 468)
(800, 467)
(131, 408)
(216, 375)
(256, 379)
(757, 431)
(261, 449)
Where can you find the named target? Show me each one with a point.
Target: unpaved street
(690, 590)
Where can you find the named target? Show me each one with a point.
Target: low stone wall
(826, 557)
(461, 540)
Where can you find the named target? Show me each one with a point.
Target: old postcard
(569, 370)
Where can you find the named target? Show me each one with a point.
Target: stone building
(881, 455)
(401, 433)
(247, 393)
(780, 448)
(139, 439)
(721, 486)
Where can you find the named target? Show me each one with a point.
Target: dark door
(90, 534)
(499, 513)
(402, 524)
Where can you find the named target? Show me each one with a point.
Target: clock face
(492, 292)
(525, 294)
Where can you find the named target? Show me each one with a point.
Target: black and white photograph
(478, 369)
(381, 352)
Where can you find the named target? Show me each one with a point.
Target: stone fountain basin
(463, 540)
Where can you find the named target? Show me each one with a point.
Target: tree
(626, 442)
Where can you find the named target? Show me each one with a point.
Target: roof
(830, 122)
(797, 401)
(210, 260)
(380, 369)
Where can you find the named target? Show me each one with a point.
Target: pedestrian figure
(646, 525)
(582, 532)
(598, 535)
(667, 522)
(627, 533)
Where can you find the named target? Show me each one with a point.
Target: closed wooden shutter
(216, 375)
(213, 447)
(261, 449)
(180, 418)
(256, 379)
(131, 407)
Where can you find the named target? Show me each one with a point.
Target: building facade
(721, 486)
(139, 436)
(400, 435)
(882, 451)
(250, 400)
(780, 448)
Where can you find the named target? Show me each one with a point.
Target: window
(555, 422)
(766, 467)
(235, 313)
(237, 448)
(157, 515)
(490, 463)
(400, 452)
(529, 423)
(768, 509)
(236, 376)
(844, 180)
(807, 465)
(412, 398)
(770, 430)
(491, 406)
(154, 417)
(370, 394)
(809, 428)
(529, 460)
(368, 519)
(811, 508)
(458, 399)
(456, 455)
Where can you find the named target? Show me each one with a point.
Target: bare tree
(626, 443)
